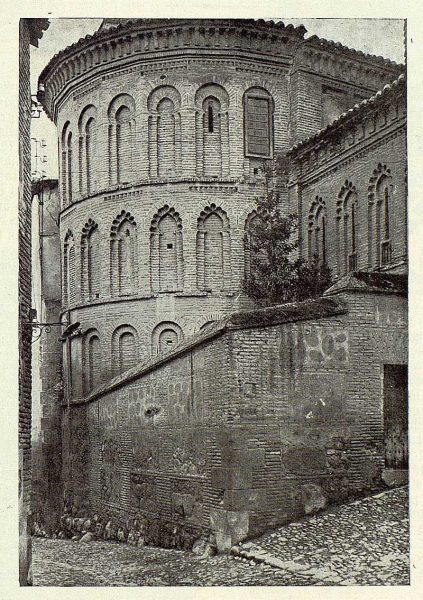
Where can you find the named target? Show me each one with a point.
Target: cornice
(344, 126)
(314, 171)
(142, 39)
(137, 188)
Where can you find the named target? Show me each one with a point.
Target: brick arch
(212, 89)
(380, 191)
(66, 166)
(380, 173)
(118, 102)
(91, 360)
(213, 209)
(346, 228)
(123, 255)
(90, 261)
(87, 127)
(212, 131)
(261, 84)
(69, 269)
(162, 92)
(166, 251)
(121, 139)
(125, 348)
(87, 113)
(164, 132)
(119, 219)
(213, 250)
(251, 217)
(207, 319)
(158, 340)
(317, 216)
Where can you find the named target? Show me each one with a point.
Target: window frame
(262, 95)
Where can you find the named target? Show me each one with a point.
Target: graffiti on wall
(322, 345)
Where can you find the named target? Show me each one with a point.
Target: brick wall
(244, 428)
(48, 375)
(167, 135)
(357, 163)
(24, 207)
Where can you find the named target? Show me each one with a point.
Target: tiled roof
(124, 25)
(355, 111)
(365, 281)
(332, 46)
(111, 26)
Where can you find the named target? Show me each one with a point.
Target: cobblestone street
(363, 543)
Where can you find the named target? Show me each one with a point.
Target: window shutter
(258, 130)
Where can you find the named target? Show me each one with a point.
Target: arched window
(258, 123)
(91, 360)
(166, 251)
(166, 138)
(213, 250)
(165, 337)
(383, 229)
(124, 349)
(379, 218)
(250, 247)
(66, 167)
(346, 232)
(87, 149)
(123, 255)
(212, 131)
(317, 231)
(90, 261)
(69, 278)
(164, 132)
(122, 135)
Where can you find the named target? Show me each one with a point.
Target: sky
(382, 37)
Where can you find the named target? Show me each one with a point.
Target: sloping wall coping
(318, 308)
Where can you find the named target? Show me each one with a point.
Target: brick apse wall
(267, 416)
(162, 128)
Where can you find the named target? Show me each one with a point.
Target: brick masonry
(134, 135)
(168, 196)
(366, 152)
(47, 371)
(30, 30)
(243, 429)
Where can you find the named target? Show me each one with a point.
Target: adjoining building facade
(163, 128)
(30, 31)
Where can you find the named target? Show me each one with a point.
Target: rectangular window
(258, 127)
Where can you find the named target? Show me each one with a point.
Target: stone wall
(263, 418)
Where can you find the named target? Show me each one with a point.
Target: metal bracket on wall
(38, 328)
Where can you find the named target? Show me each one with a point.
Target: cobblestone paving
(364, 543)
